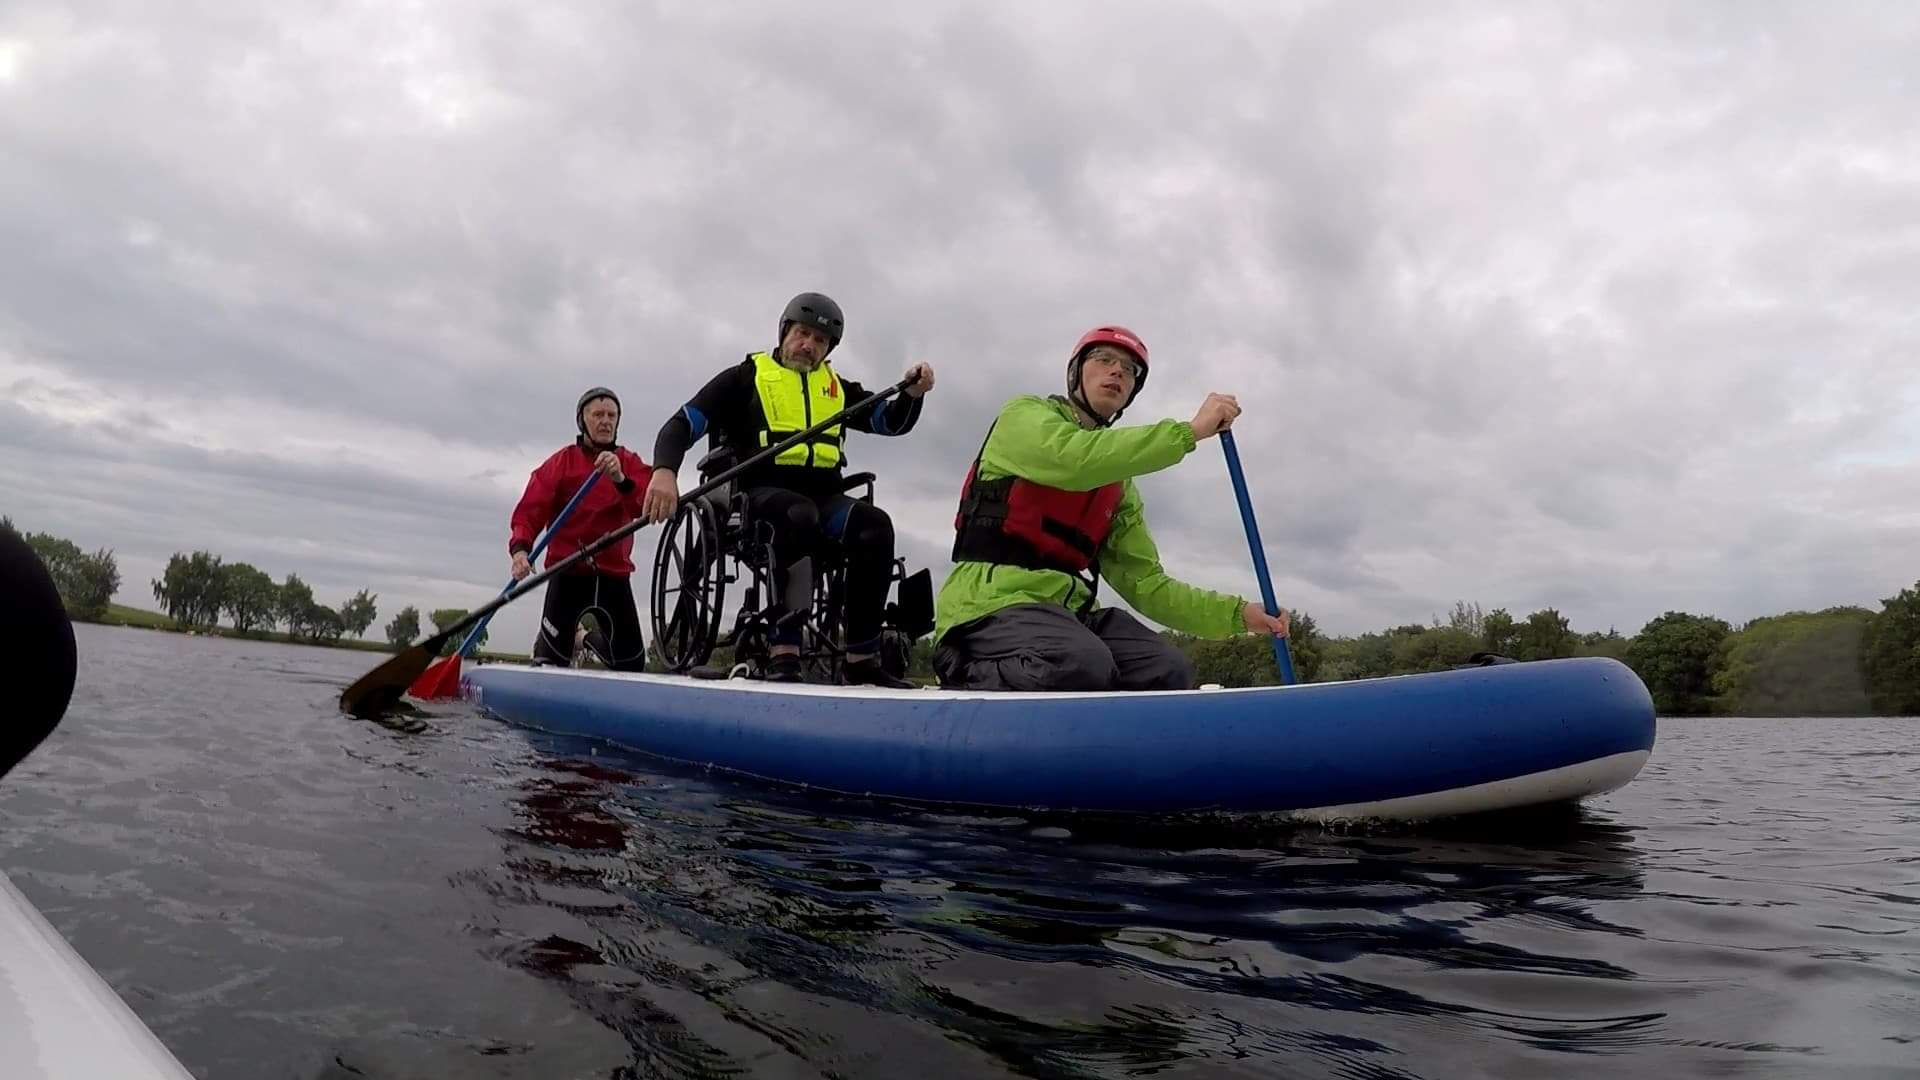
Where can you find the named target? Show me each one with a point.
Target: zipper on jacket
(806, 410)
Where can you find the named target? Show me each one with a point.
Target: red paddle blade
(441, 680)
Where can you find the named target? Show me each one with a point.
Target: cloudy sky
(1609, 307)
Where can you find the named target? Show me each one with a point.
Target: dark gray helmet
(580, 409)
(814, 309)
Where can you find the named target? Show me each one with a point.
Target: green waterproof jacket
(1041, 440)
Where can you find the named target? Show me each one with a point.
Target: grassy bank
(140, 618)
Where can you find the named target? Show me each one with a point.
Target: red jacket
(604, 509)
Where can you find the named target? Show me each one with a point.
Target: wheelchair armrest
(717, 461)
(848, 483)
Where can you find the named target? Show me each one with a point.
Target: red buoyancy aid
(1021, 523)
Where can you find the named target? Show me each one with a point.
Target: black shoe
(784, 668)
(868, 672)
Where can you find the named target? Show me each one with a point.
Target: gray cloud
(1599, 306)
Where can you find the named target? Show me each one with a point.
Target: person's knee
(1166, 669)
(802, 520)
(872, 530)
(1089, 667)
(1180, 672)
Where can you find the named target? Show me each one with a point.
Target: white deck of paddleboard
(58, 1019)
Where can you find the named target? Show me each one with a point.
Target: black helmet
(580, 409)
(814, 309)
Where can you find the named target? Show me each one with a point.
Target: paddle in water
(442, 680)
(379, 690)
(1281, 657)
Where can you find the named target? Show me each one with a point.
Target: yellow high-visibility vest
(794, 401)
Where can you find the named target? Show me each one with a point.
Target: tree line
(199, 589)
(1840, 661)
(86, 582)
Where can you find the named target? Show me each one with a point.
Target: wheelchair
(715, 541)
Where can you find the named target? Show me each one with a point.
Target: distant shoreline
(142, 619)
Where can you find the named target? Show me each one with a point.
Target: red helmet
(1118, 336)
(1114, 335)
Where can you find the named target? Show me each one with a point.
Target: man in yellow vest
(770, 396)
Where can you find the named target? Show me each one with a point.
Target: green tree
(6, 528)
(192, 588)
(99, 579)
(1890, 654)
(1307, 643)
(1609, 644)
(404, 627)
(1496, 632)
(1796, 664)
(1235, 661)
(295, 606)
(1544, 636)
(324, 624)
(447, 616)
(1368, 656)
(1434, 648)
(359, 613)
(62, 557)
(249, 597)
(86, 583)
(1676, 655)
(1467, 618)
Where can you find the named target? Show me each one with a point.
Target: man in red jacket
(600, 583)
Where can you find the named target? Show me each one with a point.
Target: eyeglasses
(1125, 363)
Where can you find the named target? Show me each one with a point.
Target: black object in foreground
(36, 644)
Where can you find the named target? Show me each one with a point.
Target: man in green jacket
(1048, 509)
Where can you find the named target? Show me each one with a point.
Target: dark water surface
(282, 892)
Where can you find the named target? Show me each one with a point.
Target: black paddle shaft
(526, 585)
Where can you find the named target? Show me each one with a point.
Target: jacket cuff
(1187, 439)
(518, 547)
(1237, 621)
(624, 485)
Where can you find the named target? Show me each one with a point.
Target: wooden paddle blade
(442, 680)
(379, 690)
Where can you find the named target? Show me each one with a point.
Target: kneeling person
(602, 582)
(1048, 510)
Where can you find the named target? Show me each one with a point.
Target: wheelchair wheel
(689, 586)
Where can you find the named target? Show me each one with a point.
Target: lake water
(280, 891)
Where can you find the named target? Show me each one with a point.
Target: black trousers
(610, 599)
(1047, 647)
(805, 525)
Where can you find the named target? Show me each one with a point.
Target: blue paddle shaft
(1281, 657)
(533, 556)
